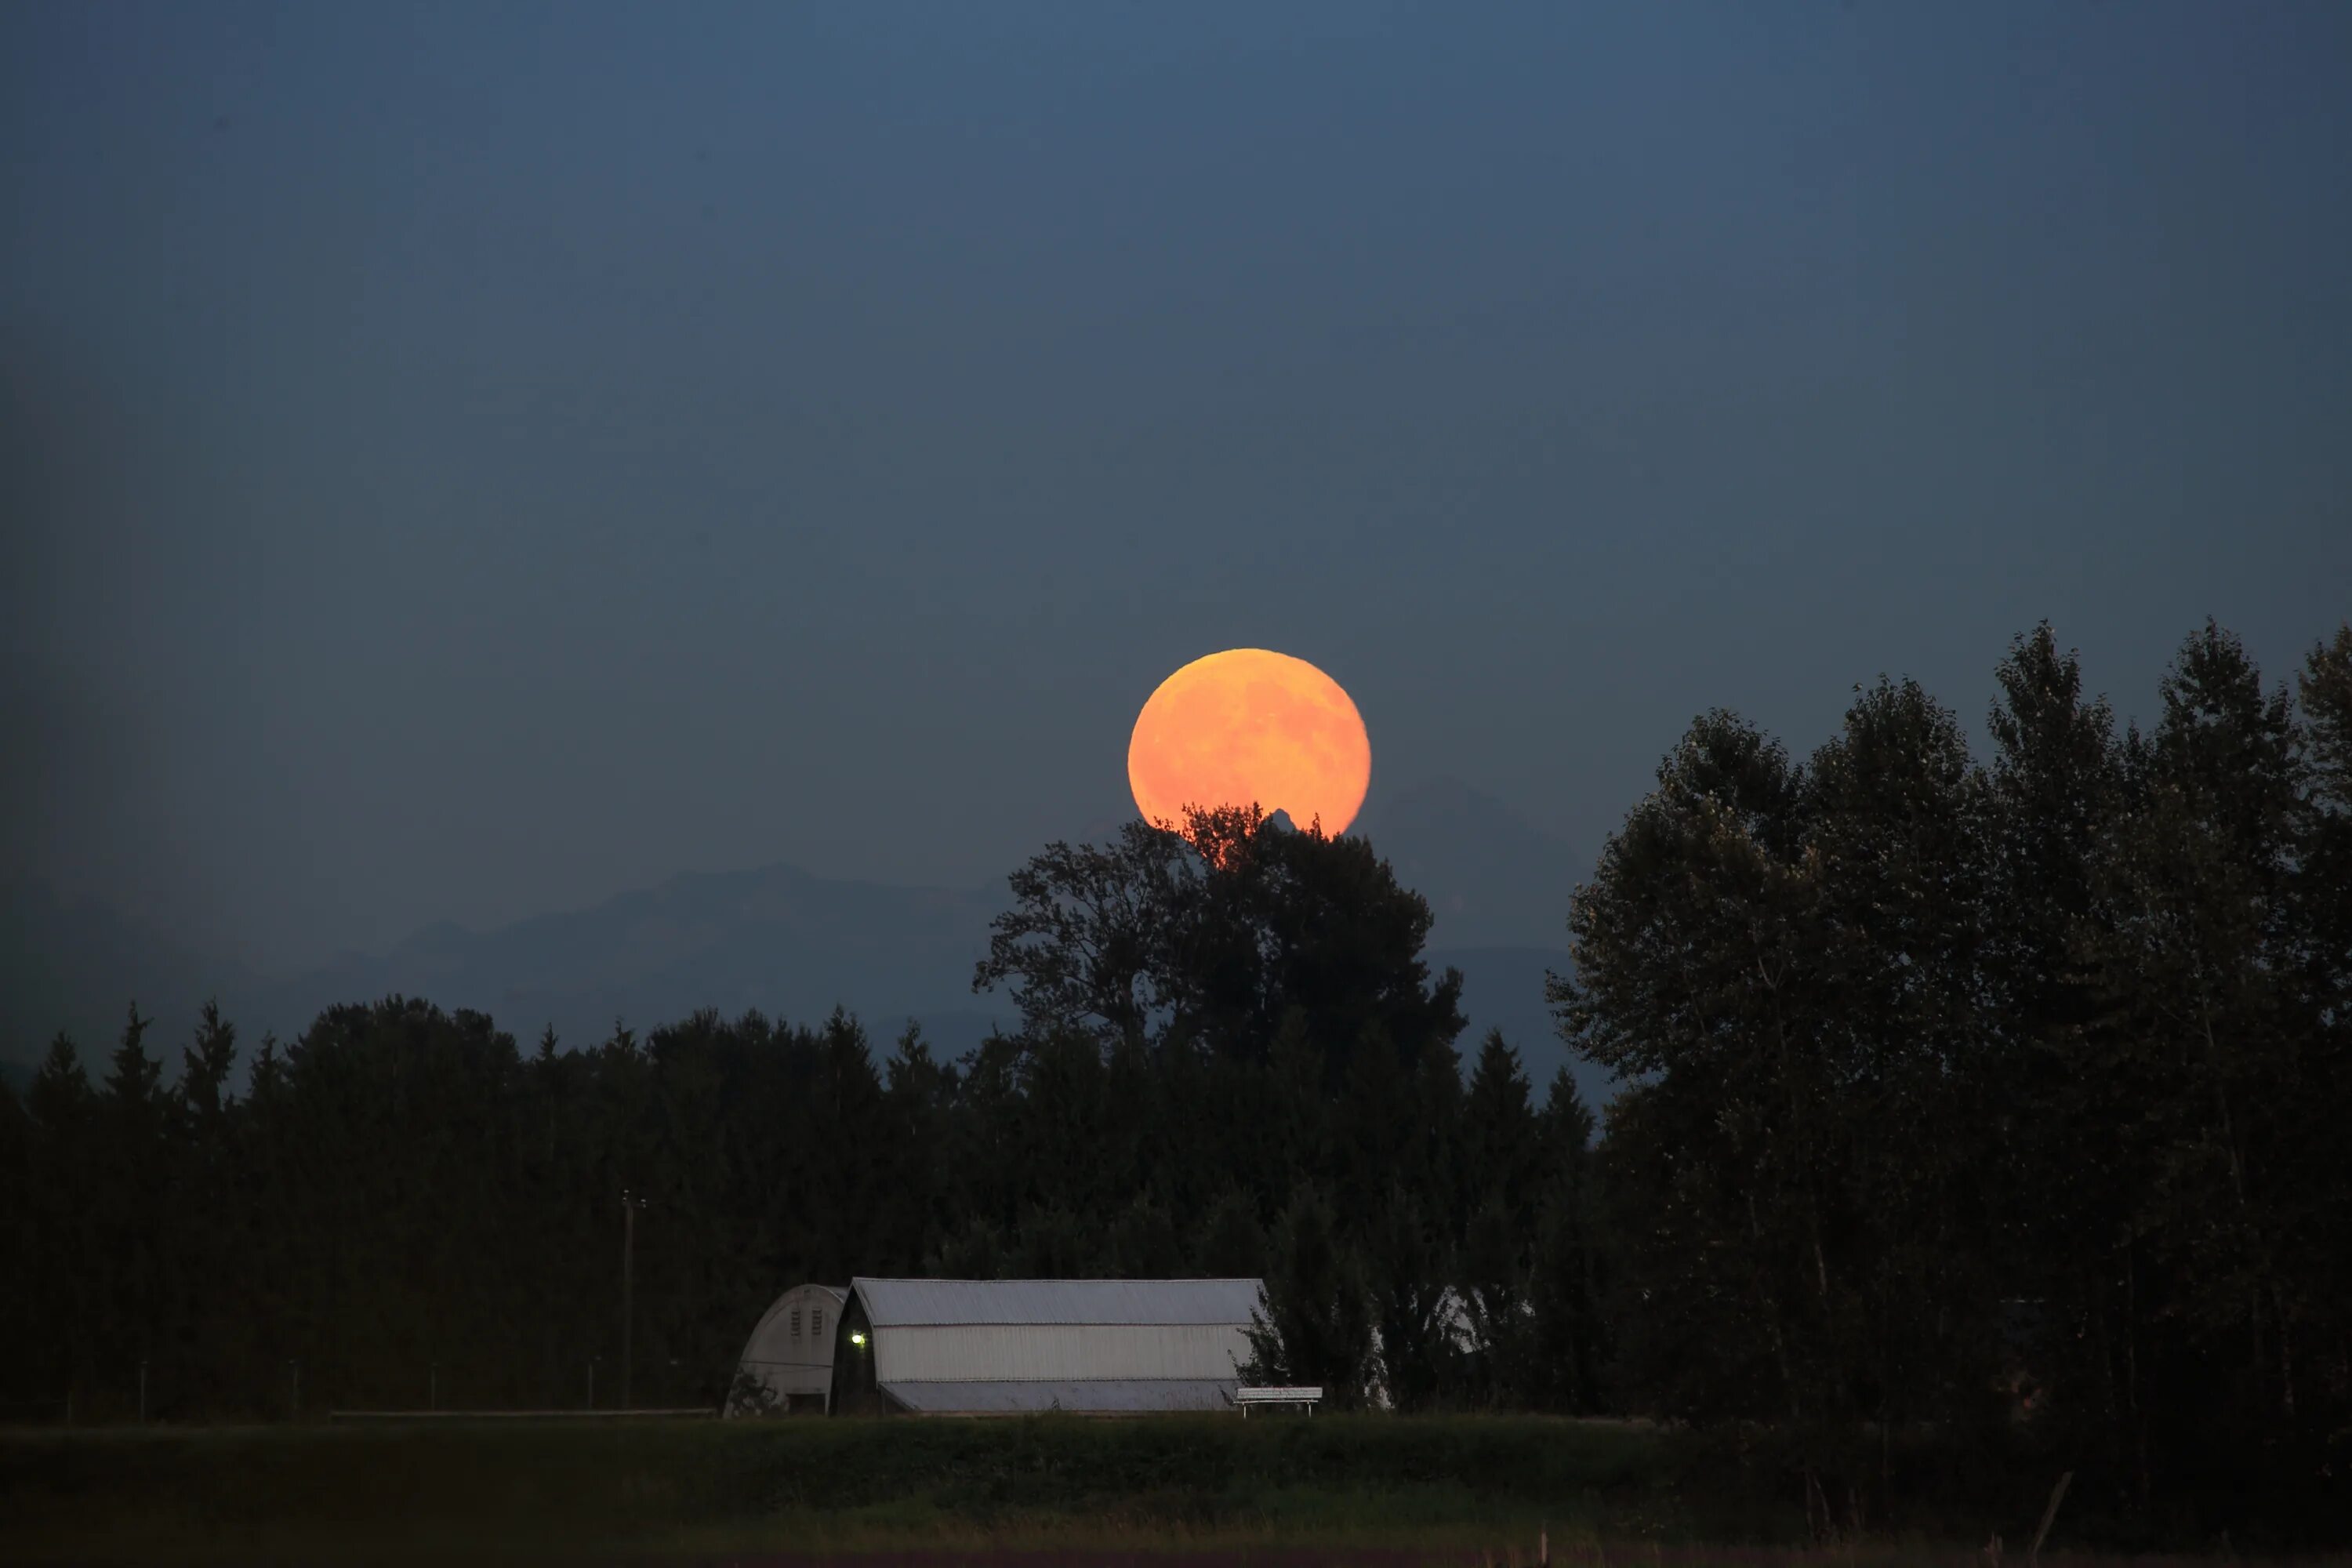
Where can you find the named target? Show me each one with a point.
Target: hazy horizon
(466, 463)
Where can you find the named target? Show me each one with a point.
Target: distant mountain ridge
(778, 939)
(790, 943)
(1499, 887)
(78, 968)
(1503, 988)
(1492, 878)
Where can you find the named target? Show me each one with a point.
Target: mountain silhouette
(1503, 988)
(79, 967)
(1499, 887)
(1492, 878)
(778, 939)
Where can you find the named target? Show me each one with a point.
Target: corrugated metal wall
(982, 1352)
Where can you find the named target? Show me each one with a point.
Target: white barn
(1003, 1347)
(787, 1363)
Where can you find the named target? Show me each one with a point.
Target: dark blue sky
(462, 461)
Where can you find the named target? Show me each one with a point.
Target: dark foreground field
(1058, 1490)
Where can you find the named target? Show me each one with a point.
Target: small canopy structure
(787, 1363)
(984, 1347)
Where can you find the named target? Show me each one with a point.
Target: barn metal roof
(838, 1292)
(1094, 1396)
(939, 1303)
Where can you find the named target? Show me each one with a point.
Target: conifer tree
(1569, 1334)
(1230, 1244)
(1315, 1327)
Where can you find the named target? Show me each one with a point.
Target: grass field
(1050, 1490)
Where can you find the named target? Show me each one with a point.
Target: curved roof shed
(974, 1347)
(787, 1363)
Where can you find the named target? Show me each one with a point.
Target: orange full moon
(1249, 726)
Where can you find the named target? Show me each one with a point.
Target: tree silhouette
(1995, 1107)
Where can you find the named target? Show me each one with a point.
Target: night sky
(464, 461)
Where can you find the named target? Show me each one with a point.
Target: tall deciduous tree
(2221, 1042)
(1215, 936)
(1701, 982)
(2057, 1079)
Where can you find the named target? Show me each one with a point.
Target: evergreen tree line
(1229, 1036)
(1998, 1099)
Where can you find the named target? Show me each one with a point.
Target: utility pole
(142, 1391)
(294, 1372)
(630, 1204)
(432, 1388)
